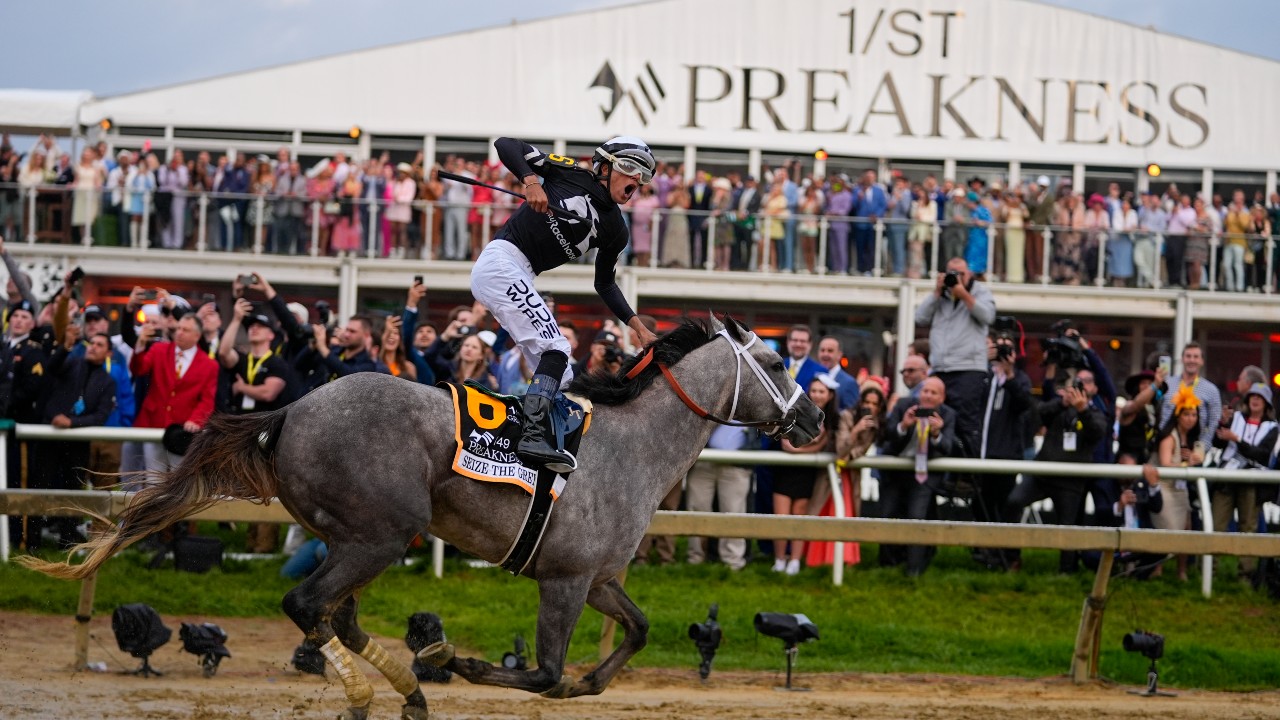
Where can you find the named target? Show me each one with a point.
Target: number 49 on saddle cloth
(487, 429)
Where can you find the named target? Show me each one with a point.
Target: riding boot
(539, 447)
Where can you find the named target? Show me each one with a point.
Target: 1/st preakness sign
(1005, 79)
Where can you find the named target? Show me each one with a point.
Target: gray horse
(365, 464)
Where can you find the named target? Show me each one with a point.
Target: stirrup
(566, 465)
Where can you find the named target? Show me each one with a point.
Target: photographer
(1073, 429)
(1139, 499)
(1246, 438)
(424, 373)
(1140, 416)
(958, 312)
(259, 373)
(351, 345)
(919, 430)
(605, 355)
(1008, 398)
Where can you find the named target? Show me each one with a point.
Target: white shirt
(183, 359)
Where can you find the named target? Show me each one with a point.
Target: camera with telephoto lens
(1007, 335)
(1063, 350)
(613, 354)
(951, 279)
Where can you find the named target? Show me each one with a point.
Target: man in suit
(870, 202)
(699, 206)
(918, 429)
(829, 356)
(799, 365)
(183, 384)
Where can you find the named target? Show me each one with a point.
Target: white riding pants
(502, 279)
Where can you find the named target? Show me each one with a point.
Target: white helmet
(628, 155)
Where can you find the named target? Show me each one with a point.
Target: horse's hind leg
(314, 602)
(402, 678)
(559, 607)
(613, 601)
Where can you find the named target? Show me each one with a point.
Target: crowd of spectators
(789, 220)
(171, 362)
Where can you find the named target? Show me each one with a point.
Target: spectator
(472, 363)
(810, 210)
(104, 457)
(81, 394)
(954, 236)
(1238, 224)
(727, 485)
(416, 338)
(917, 429)
(675, 234)
(321, 190)
(1097, 224)
(722, 210)
(1246, 438)
(839, 209)
(1140, 417)
(182, 385)
(141, 184)
(915, 368)
(776, 217)
(746, 203)
(897, 222)
(830, 355)
(290, 206)
(857, 432)
(958, 312)
(1140, 499)
(793, 486)
(1072, 431)
(231, 209)
(1182, 221)
(457, 199)
(352, 341)
(11, 209)
(400, 212)
(1014, 216)
(869, 205)
(1193, 378)
(976, 247)
(1197, 253)
(1007, 398)
(391, 351)
(1179, 444)
(1260, 226)
(1040, 206)
(1120, 246)
(1153, 221)
(1068, 220)
(799, 365)
(173, 180)
(643, 207)
(89, 177)
(261, 211)
(924, 214)
(700, 194)
(605, 355)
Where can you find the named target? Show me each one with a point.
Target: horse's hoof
(413, 712)
(437, 654)
(561, 689)
(355, 713)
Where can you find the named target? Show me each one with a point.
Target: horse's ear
(716, 325)
(738, 332)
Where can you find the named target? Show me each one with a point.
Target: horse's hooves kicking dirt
(355, 713)
(437, 654)
(561, 689)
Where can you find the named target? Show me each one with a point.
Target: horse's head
(766, 394)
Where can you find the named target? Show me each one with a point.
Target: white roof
(1004, 79)
(30, 111)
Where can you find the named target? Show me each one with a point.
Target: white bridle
(786, 404)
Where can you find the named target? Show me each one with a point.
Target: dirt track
(36, 682)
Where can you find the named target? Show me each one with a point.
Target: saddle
(487, 428)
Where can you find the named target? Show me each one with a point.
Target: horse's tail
(232, 457)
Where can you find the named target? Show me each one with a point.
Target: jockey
(535, 240)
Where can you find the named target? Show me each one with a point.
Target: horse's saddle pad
(487, 430)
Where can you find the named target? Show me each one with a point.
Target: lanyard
(252, 370)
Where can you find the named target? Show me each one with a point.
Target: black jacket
(1058, 418)
(74, 379)
(1005, 406)
(897, 443)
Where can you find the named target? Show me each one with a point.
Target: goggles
(630, 167)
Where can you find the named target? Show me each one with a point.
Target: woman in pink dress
(320, 189)
(402, 191)
(642, 209)
(858, 430)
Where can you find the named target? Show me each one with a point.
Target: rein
(786, 405)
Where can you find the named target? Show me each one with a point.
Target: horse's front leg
(613, 601)
(560, 605)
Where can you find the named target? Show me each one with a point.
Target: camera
(1141, 492)
(77, 274)
(1151, 645)
(248, 280)
(923, 412)
(707, 636)
(1078, 384)
(951, 279)
(1063, 350)
(1004, 351)
(323, 311)
(613, 354)
(150, 295)
(465, 330)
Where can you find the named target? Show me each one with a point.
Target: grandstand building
(1002, 90)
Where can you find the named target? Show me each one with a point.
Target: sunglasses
(631, 168)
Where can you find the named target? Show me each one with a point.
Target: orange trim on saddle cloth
(487, 452)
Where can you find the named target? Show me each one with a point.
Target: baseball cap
(92, 311)
(1043, 181)
(259, 320)
(606, 337)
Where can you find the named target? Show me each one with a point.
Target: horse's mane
(604, 388)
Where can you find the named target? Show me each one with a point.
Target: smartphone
(150, 294)
(77, 275)
(207, 298)
(1166, 364)
(248, 280)
(922, 412)
(417, 279)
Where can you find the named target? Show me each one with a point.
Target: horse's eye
(778, 367)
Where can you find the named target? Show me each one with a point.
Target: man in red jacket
(183, 384)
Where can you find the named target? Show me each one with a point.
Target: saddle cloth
(487, 430)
